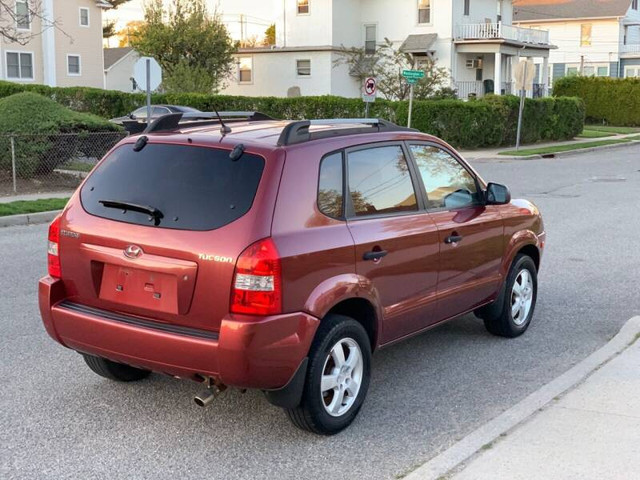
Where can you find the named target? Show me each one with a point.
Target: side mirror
(132, 116)
(497, 194)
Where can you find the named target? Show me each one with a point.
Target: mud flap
(290, 395)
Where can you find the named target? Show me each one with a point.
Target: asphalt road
(59, 420)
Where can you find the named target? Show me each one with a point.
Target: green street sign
(411, 80)
(413, 75)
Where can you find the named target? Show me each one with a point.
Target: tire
(115, 371)
(336, 333)
(499, 317)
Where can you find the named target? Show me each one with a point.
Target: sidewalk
(592, 432)
(493, 153)
(35, 196)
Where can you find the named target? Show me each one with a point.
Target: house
(118, 69)
(69, 54)
(474, 39)
(594, 38)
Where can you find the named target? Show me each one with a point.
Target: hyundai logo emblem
(132, 251)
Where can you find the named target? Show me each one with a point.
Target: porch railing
(633, 48)
(482, 31)
(469, 89)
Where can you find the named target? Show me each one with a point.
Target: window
(588, 71)
(140, 113)
(23, 15)
(572, 71)
(73, 65)
(585, 35)
(603, 71)
(379, 181)
(424, 11)
(631, 71)
(634, 4)
(303, 67)
(159, 111)
(448, 184)
(195, 188)
(20, 65)
(466, 7)
(84, 17)
(370, 34)
(303, 7)
(330, 186)
(245, 69)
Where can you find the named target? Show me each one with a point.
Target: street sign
(412, 76)
(523, 74)
(369, 90)
(140, 73)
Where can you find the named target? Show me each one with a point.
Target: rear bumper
(247, 352)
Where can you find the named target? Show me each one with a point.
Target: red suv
(256, 253)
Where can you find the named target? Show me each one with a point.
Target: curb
(461, 451)
(28, 218)
(556, 155)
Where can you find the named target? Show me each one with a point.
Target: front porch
(485, 56)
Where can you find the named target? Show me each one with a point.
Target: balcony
(499, 31)
(633, 49)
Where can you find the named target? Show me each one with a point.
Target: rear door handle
(374, 255)
(452, 239)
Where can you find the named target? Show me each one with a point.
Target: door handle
(374, 255)
(452, 239)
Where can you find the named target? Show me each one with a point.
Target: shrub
(39, 121)
(612, 100)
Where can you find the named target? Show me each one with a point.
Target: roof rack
(171, 121)
(298, 131)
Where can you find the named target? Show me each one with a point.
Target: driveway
(59, 420)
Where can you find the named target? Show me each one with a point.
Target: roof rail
(171, 121)
(298, 131)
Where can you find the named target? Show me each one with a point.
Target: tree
(109, 28)
(12, 14)
(387, 64)
(270, 35)
(188, 43)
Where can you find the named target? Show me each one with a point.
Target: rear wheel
(337, 378)
(113, 370)
(511, 314)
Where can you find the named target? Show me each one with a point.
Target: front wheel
(511, 315)
(337, 379)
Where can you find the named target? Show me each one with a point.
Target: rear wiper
(134, 207)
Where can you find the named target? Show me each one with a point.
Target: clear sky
(257, 14)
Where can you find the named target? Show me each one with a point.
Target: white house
(594, 38)
(474, 39)
(118, 69)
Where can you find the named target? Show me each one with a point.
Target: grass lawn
(562, 148)
(611, 129)
(635, 137)
(32, 206)
(594, 134)
(77, 166)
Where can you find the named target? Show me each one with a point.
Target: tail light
(257, 282)
(53, 257)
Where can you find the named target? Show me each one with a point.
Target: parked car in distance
(279, 255)
(139, 116)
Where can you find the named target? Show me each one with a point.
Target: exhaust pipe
(206, 398)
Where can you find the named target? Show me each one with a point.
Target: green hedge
(612, 100)
(492, 121)
(487, 122)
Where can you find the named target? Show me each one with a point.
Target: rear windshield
(173, 186)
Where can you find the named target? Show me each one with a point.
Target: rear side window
(191, 188)
(330, 186)
(380, 182)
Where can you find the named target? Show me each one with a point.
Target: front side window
(448, 184)
(380, 182)
(303, 7)
(23, 16)
(20, 65)
(370, 39)
(73, 65)
(585, 35)
(245, 70)
(84, 17)
(424, 11)
(303, 67)
(330, 186)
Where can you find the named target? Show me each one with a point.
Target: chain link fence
(50, 163)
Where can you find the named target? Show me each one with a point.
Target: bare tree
(17, 18)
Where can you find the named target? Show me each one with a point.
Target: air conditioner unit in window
(474, 63)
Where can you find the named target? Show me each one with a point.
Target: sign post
(412, 77)
(148, 75)
(369, 90)
(524, 81)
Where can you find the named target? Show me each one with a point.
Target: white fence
(480, 31)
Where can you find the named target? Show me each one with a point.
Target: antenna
(223, 128)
